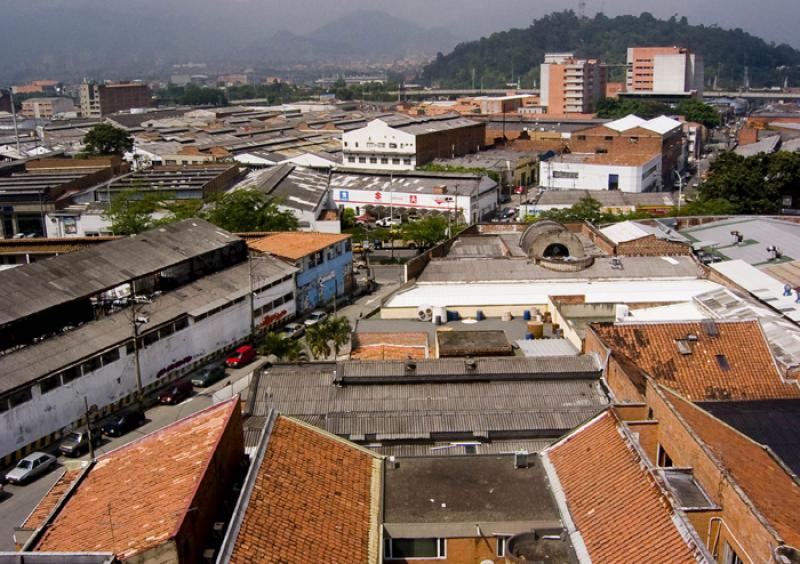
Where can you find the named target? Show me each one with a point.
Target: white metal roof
(531, 293)
(760, 284)
(662, 124)
(625, 231)
(626, 123)
(687, 311)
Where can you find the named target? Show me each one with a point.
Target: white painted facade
(473, 208)
(378, 146)
(565, 175)
(183, 349)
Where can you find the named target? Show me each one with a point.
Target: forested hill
(726, 52)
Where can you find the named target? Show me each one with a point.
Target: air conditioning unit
(425, 313)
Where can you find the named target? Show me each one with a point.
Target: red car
(242, 356)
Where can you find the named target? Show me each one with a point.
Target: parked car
(30, 467)
(77, 442)
(176, 392)
(208, 374)
(365, 219)
(242, 356)
(123, 422)
(388, 222)
(315, 317)
(293, 331)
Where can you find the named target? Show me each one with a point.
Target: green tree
(284, 348)
(587, 209)
(743, 182)
(338, 330)
(318, 342)
(328, 336)
(695, 110)
(425, 232)
(249, 210)
(348, 218)
(194, 95)
(611, 108)
(131, 211)
(105, 139)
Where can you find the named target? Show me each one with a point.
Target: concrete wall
(596, 176)
(462, 551)
(339, 270)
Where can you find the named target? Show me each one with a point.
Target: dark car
(123, 423)
(176, 392)
(208, 374)
(77, 442)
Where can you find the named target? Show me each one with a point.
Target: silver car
(30, 467)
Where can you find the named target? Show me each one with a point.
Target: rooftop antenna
(581, 9)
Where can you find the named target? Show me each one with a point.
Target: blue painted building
(324, 260)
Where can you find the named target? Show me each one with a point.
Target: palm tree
(283, 348)
(338, 329)
(317, 339)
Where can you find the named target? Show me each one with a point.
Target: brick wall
(741, 522)
(445, 144)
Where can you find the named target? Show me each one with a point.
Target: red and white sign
(378, 196)
(412, 198)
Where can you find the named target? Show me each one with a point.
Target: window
(150, 338)
(20, 397)
(356, 144)
(730, 556)
(348, 247)
(501, 546)
(608, 138)
(415, 548)
(384, 160)
(722, 360)
(351, 159)
(393, 145)
(345, 143)
(362, 159)
(110, 356)
(91, 365)
(581, 138)
(373, 160)
(564, 174)
(49, 383)
(396, 161)
(381, 145)
(70, 374)
(407, 161)
(129, 347)
(663, 460)
(634, 139)
(601, 151)
(181, 324)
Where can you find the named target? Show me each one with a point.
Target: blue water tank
(526, 315)
(529, 336)
(479, 315)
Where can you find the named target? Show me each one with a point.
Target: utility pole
(89, 425)
(680, 190)
(136, 360)
(252, 298)
(14, 119)
(391, 212)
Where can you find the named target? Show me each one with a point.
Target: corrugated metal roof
(51, 355)
(532, 407)
(36, 287)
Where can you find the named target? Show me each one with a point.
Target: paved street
(18, 501)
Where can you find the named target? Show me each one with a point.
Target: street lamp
(680, 189)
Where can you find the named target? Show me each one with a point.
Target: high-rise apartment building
(664, 70)
(570, 85)
(98, 100)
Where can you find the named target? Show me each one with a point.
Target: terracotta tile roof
(315, 499)
(770, 488)
(51, 499)
(295, 245)
(734, 364)
(136, 497)
(389, 346)
(619, 510)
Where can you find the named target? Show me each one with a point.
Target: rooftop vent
(471, 364)
(710, 328)
(411, 366)
(521, 459)
(616, 263)
(684, 346)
